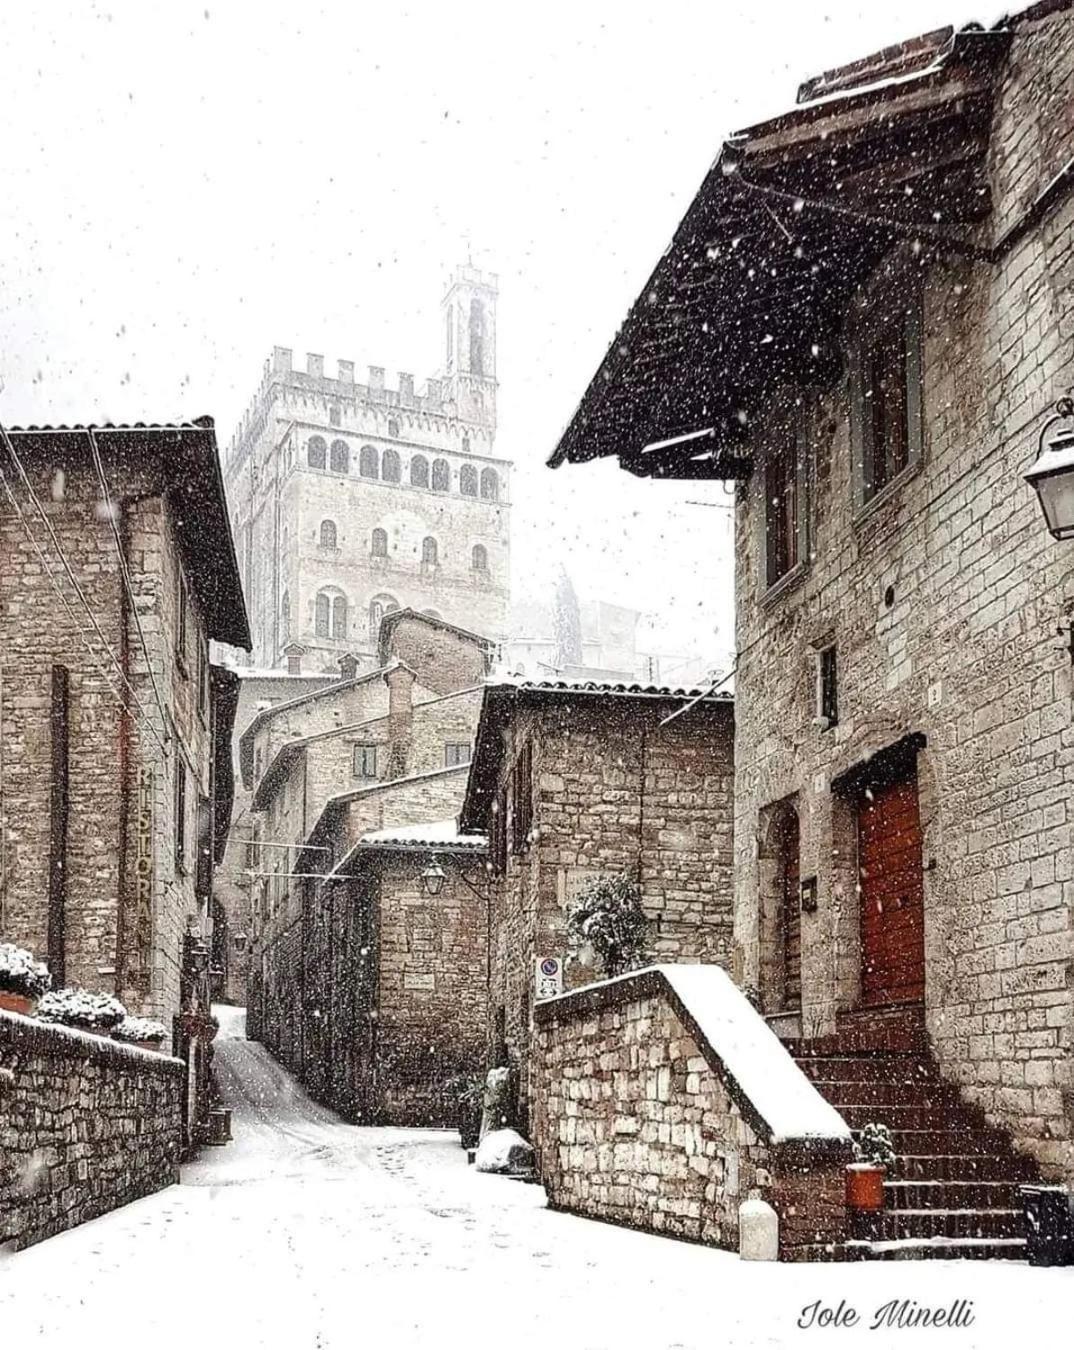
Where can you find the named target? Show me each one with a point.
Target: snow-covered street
(309, 1232)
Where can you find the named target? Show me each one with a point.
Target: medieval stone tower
(349, 500)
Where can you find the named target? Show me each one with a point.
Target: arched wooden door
(892, 893)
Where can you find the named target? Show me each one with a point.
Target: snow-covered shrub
(140, 1029)
(468, 1089)
(20, 973)
(80, 1008)
(607, 918)
(875, 1146)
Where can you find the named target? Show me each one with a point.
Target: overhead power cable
(79, 626)
(66, 564)
(125, 571)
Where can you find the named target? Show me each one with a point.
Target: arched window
(323, 616)
(477, 338)
(393, 427)
(285, 617)
(479, 558)
(315, 452)
(429, 550)
(367, 462)
(466, 445)
(328, 534)
(378, 607)
(419, 472)
(441, 476)
(379, 544)
(468, 480)
(339, 617)
(490, 485)
(389, 467)
(340, 459)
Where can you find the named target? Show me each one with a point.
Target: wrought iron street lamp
(433, 877)
(1052, 474)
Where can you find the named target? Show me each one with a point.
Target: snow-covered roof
(505, 693)
(756, 1067)
(438, 835)
(608, 688)
(433, 834)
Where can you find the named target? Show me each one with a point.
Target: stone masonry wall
(632, 1124)
(86, 1125)
(943, 599)
(116, 938)
(280, 1017)
(614, 794)
(433, 982)
(442, 660)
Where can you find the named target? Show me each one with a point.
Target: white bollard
(758, 1230)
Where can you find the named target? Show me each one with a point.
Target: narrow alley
(305, 1231)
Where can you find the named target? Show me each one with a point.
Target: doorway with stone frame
(779, 877)
(879, 803)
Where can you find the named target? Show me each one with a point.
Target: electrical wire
(66, 565)
(125, 570)
(79, 626)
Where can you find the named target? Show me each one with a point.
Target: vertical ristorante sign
(143, 881)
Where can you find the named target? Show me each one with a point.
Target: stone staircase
(954, 1191)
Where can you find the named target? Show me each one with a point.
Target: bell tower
(469, 318)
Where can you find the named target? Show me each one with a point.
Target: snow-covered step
(891, 1224)
(937, 1248)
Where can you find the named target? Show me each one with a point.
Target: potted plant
(140, 1031)
(607, 922)
(875, 1154)
(468, 1089)
(99, 1013)
(22, 979)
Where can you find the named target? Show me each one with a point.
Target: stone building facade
(233, 887)
(398, 976)
(334, 918)
(903, 708)
(72, 1107)
(114, 726)
(573, 782)
(350, 500)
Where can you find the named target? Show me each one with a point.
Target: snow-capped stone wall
(86, 1125)
(644, 1113)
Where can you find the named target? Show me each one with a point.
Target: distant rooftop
(605, 688)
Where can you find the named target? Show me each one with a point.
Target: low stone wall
(636, 1119)
(86, 1125)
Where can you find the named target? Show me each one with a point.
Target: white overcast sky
(185, 186)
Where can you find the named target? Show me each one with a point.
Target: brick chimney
(294, 651)
(348, 665)
(400, 681)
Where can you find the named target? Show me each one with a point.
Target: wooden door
(892, 894)
(791, 913)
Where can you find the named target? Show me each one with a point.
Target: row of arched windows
(378, 546)
(331, 612)
(387, 467)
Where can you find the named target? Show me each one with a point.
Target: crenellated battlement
(437, 399)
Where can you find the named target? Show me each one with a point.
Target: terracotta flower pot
(865, 1186)
(16, 1003)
